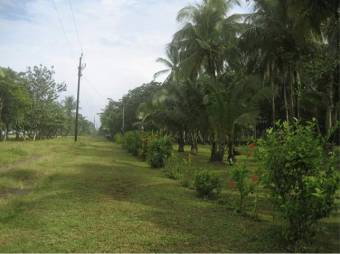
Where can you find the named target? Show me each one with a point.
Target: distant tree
(69, 107)
(44, 91)
(14, 101)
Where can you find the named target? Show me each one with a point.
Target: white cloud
(121, 40)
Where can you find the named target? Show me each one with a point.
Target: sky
(120, 39)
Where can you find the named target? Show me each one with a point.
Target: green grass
(57, 196)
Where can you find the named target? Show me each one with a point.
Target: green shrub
(207, 184)
(301, 176)
(132, 142)
(159, 151)
(179, 168)
(118, 138)
(146, 139)
(188, 177)
(175, 167)
(243, 183)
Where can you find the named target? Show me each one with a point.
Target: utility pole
(80, 68)
(123, 122)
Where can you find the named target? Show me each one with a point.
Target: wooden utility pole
(80, 68)
(123, 122)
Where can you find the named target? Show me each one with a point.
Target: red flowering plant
(254, 179)
(251, 149)
(232, 184)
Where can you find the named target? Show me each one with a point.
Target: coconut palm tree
(171, 63)
(275, 48)
(321, 18)
(206, 36)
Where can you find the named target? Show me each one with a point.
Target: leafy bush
(132, 142)
(244, 184)
(146, 139)
(118, 138)
(179, 168)
(159, 151)
(175, 167)
(207, 184)
(301, 176)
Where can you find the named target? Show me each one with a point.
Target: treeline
(230, 77)
(30, 107)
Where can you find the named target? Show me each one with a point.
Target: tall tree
(204, 41)
(44, 91)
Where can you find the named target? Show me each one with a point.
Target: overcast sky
(121, 40)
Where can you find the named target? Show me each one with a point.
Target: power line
(92, 86)
(75, 25)
(62, 26)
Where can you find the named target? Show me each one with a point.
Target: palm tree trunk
(273, 102)
(231, 155)
(220, 152)
(285, 100)
(217, 150)
(6, 131)
(292, 111)
(181, 142)
(213, 156)
(193, 148)
(337, 79)
(330, 108)
(298, 98)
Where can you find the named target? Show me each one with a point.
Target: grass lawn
(57, 196)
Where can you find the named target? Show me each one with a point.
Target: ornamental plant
(243, 182)
(207, 184)
(301, 175)
(146, 139)
(159, 151)
(175, 167)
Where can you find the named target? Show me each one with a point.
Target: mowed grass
(57, 196)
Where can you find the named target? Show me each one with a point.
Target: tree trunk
(6, 132)
(273, 102)
(217, 150)
(231, 155)
(213, 154)
(330, 109)
(337, 79)
(181, 142)
(291, 88)
(193, 148)
(285, 100)
(298, 97)
(220, 152)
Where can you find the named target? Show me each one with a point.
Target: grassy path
(94, 197)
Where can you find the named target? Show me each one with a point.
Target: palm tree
(321, 18)
(206, 37)
(275, 48)
(171, 62)
(234, 103)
